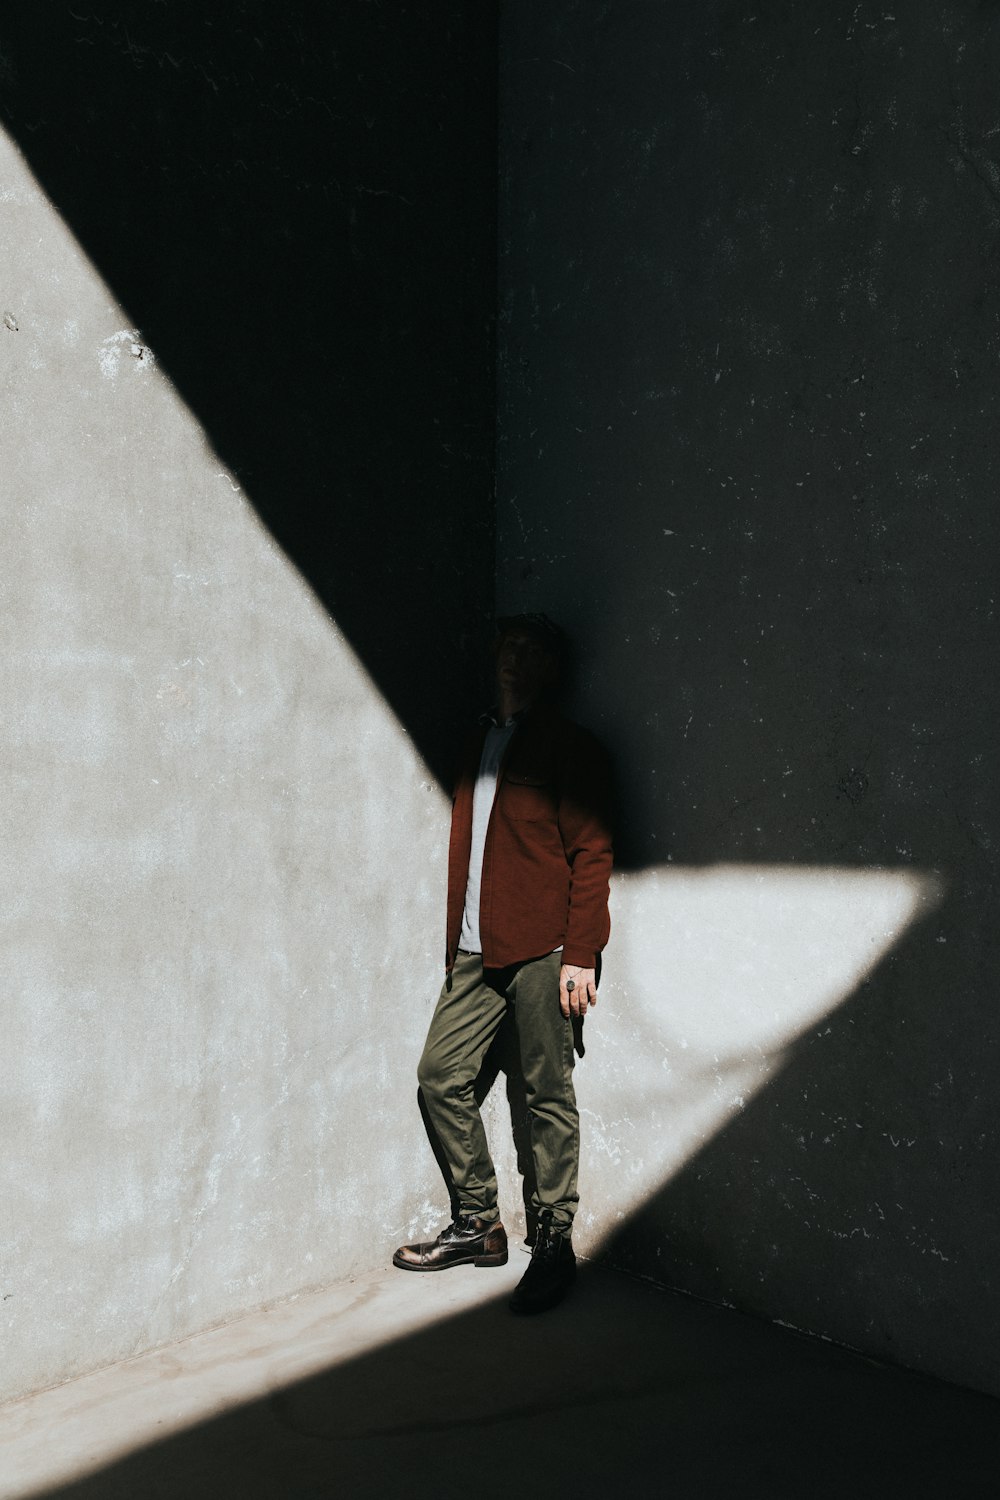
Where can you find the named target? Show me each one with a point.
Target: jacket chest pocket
(528, 797)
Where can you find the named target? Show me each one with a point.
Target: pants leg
(545, 1037)
(466, 1019)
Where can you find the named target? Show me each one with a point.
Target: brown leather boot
(468, 1241)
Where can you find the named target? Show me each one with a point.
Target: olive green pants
(472, 1006)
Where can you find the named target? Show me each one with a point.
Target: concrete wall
(249, 272)
(748, 393)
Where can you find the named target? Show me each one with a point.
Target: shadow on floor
(623, 1386)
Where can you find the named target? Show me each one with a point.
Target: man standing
(528, 869)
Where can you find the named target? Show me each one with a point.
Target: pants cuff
(488, 1215)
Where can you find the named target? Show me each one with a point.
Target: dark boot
(467, 1241)
(551, 1273)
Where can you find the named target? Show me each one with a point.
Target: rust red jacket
(548, 846)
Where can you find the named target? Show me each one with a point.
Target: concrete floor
(427, 1386)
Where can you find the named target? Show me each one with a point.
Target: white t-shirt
(497, 739)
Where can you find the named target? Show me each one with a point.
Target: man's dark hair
(544, 630)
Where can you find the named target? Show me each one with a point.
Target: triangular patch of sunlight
(78, 1428)
(712, 974)
(207, 894)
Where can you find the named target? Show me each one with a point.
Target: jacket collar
(491, 718)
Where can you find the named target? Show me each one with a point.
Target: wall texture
(746, 386)
(247, 362)
(749, 340)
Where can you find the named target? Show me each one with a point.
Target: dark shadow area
(749, 346)
(863, 1177)
(296, 208)
(747, 391)
(626, 1387)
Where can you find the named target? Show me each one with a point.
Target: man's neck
(509, 706)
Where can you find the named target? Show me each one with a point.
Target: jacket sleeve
(585, 827)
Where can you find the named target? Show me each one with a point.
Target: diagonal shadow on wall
(859, 1178)
(723, 1404)
(739, 251)
(298, 212)
(313, 265)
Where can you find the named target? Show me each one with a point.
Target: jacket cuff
(579, 958)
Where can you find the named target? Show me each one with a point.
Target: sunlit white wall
(714, 974)
(222, 865)
(711, 976)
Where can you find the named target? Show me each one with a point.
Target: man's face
(525, 667)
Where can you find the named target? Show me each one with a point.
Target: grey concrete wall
(746, 392)
(247, 365)
(748, 397)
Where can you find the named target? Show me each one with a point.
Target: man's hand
(577, 990)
